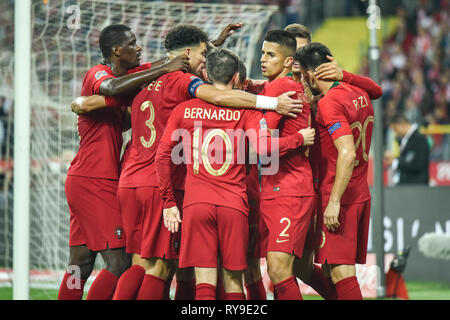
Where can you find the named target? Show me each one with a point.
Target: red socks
(287, 290)
(185, 290)
(323, 285)
(72, 293)
(152, 288)
(205, 291)
(103, 286)
(129, 283)
(348, 289)
(256, 291)
(234, 296)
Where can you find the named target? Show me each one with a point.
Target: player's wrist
(266, 103)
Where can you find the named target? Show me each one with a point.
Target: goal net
(64, 46)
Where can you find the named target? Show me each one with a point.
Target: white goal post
(64, 45)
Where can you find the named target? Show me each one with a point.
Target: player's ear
(235, 80)
(245, 85)
(187, 51)
(288, 62)
(116, 50)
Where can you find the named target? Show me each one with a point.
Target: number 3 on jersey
(149, 123)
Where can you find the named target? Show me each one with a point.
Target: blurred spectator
(411, 167)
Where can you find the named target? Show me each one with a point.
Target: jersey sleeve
(164, 166)
(188, 84)
(371, 87)
(95, 79)
(262, 141)
(331, 114)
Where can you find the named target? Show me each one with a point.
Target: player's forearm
(344, 168)
(255, 86)
(83, 105)
(371, 87)
(163, 171)
(268, 145)
(130, 82)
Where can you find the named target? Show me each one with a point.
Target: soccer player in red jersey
(153, 248)
(287, 194)
(304, 268)
(91, 184)
(215, 205)
(345, 120)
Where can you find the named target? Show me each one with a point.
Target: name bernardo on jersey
(209, 114)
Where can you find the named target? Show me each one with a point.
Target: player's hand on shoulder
(329, 71)
(172, 219)
(308, 136)
(179, 63)
(287, 106)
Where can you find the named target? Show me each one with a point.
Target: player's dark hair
(221, 65)
(183, 36)
(312, 55)
(284, 39)
(242, 70)
(398, 118)
(111, 36)
(299, 31)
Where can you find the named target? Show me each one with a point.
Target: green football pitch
(416, 291)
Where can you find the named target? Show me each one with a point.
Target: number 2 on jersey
(149, 123)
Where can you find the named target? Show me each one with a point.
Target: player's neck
(280, 75)
(116, 67)
(222, 86)
(325, 86)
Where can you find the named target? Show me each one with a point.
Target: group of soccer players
(190, 198)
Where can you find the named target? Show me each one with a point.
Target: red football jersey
(215, 148)
(345, 110)
(294, 177)
(100, 131)
(150, 111)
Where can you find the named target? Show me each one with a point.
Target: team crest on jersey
(334, 127)
(100, 74)
(119, 232)
(263, 123)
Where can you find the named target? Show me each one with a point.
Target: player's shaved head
(312, 55)
(112, 35)
(184, 36)
(221, 65)
(284, 39)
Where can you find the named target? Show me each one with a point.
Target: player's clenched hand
(329, 71)
(288, 106)
(172, 219)
(308, 136)
(227, 32)
(331, 216)
(179, 63)
(76, 105)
